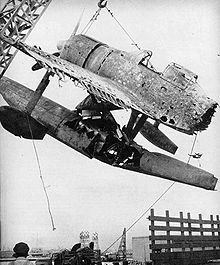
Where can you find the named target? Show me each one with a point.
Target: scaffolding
(17, 19)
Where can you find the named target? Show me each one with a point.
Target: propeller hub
(61, 44)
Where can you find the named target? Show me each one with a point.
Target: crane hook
(101, 4)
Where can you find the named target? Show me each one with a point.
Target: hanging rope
(129, 36)
(141, 216)
(196, 155)
(91, 21)
(193, 145)
(153, 204)
(95, 16)
(41, 176)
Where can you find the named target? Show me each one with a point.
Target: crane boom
(18, 18)
(121, 254)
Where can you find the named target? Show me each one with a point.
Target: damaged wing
(104, 88)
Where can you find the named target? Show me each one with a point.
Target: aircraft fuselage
(173, 97)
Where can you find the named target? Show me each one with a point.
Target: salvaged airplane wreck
(114, 79)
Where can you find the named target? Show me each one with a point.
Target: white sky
(86, 194)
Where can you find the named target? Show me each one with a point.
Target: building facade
(140, 248)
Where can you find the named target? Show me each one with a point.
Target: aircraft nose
(206, 118)
(61, 44)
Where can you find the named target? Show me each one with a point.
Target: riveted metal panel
(97, 58)
(120, 67)
(185, 109)
(178, 103)
(78, 48)
(153, 91)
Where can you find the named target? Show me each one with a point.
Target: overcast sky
(86, 194)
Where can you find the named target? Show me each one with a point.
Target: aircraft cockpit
(180, 75)
(142, 57)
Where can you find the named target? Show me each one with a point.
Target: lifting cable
(141, 216)
(91, 21)
(154, 203)
(95, 16)
(193, 145)
(129, 36)
(41, 176)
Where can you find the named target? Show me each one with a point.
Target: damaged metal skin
(173, 97)
(92, 103)
(20, 124)
(158, 138)
(99, 137)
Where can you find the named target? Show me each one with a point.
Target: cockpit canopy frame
(179, 75)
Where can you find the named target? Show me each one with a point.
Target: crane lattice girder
(17, 19)
(122, 247)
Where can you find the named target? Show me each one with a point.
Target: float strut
(38, 93)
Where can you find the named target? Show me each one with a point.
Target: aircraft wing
(104, 88)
